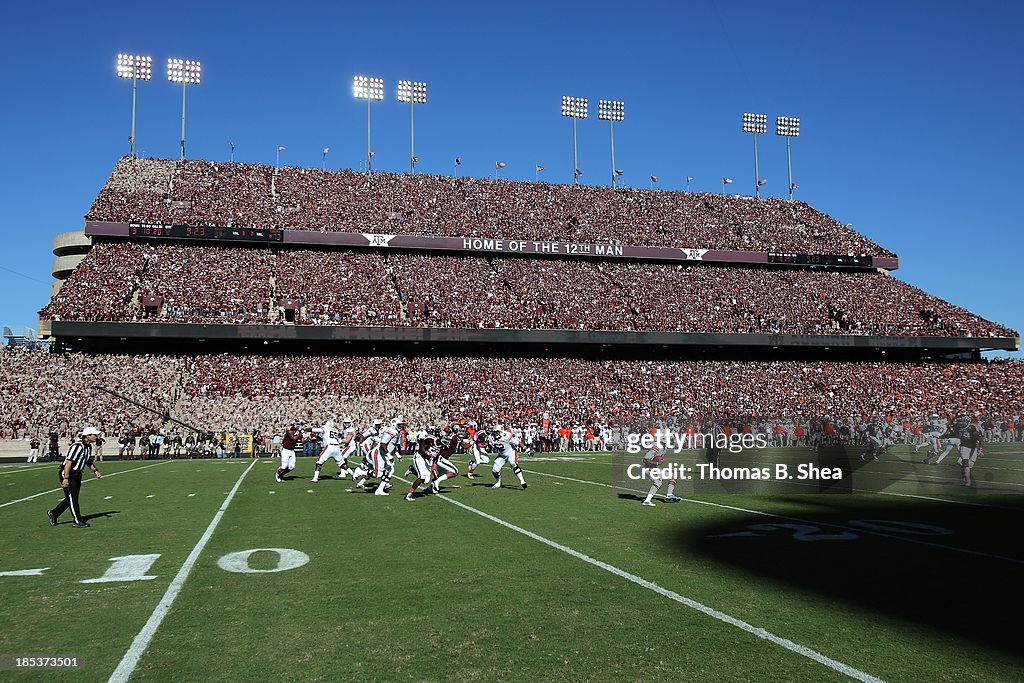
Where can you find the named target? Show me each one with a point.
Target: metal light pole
(574, 108)
(187, 72)
(277, 162)
(413, 92)
(755, 124)
(788, 127)
(368, 88)
(137, 68)
(611, 111)
(323, 161)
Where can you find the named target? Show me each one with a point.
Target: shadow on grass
(952, 568)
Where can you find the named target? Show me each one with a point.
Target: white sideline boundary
(138, 647)
(785, 643)
(856, 530)
(85, 481)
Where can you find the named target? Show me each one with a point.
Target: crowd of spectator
(249, 195)
(364, 288)
(45, 392)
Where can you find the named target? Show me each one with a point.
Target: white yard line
(131, 658)
(26, 467)
(857, 530)
(814, 655)
(84, 481)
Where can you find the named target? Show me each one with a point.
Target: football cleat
(648, 504)
(672, 499)
(409, 497)
(524, 485)
(52, 517)
(80, 525)
(278, 477)
(378, 492)
(496, 485)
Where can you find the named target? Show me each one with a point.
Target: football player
(449, 443)
(426, 451)
(292, 437)
(478, 450)
(390, 443)
(652, 460)
(951, 439)
(971, 441)
(330, 441)
(504, 445)
(369, 446)
(531, 439)
(349, 443)
(932, 432)
(873, 435)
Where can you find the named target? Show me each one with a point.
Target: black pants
(70, 498)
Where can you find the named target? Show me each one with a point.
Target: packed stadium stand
(243, 392)
(198, 284)
(240, 297)
(248, 195)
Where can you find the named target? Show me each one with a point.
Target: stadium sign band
(477, 245)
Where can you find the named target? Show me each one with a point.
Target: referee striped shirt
(80, 456)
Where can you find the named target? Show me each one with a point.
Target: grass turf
(430, 591)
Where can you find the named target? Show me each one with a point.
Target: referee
(79, 456)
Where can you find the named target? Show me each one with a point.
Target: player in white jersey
(478, 449)
(349, 445)
(933, 432)
(504, 445)
(427, 448)
(369, 447)
(950, 439)
(531, 438)
(654, 459)
(330, 443)
(389, 449)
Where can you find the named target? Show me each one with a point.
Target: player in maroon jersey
(450, 442)
(289, 441)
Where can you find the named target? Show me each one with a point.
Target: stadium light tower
(574, 108)
(755, 124)
(370, 89)
(187, 72)
(611, 111)
(788, 127)
(413, 92)
(137, 68)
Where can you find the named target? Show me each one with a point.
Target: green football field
(210, 570)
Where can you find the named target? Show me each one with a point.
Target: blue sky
(907, 109)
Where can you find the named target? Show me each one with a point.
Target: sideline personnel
(78, 457)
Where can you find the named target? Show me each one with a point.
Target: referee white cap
(90, 431)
